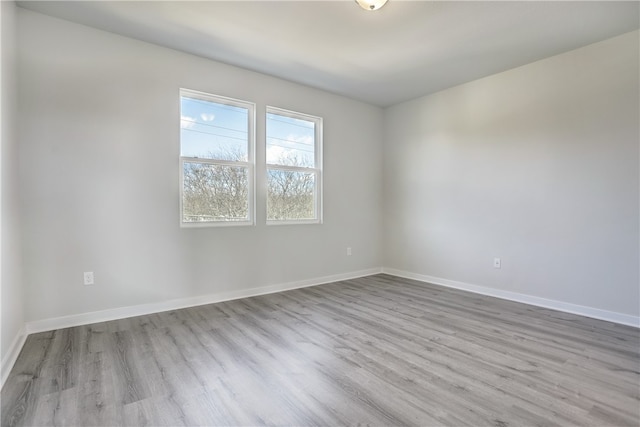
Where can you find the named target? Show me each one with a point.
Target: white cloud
(303, 139)
(275, 153)
(207, 117)
(187, 122)
(279, 155)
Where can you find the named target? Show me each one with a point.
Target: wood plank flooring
(378, 350)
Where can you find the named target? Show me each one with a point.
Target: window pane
(215, 193)
(211, 130)
(290, 142)
(291, 195)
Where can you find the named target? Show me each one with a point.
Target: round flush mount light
(371, 4)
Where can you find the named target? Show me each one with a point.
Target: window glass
(216, 158)
(294, 167)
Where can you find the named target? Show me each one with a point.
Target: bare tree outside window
(215, 193)
(290, 195)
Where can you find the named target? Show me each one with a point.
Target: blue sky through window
(212, 130)
(290, 141)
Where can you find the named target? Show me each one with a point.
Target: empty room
(320, 213)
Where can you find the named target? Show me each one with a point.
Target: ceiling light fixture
(371, 4)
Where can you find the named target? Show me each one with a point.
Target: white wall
(537, 165)
(99, 134)
(11, 318)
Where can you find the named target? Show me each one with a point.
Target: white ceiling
(403, 51)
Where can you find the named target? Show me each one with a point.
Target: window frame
(317, 169)
(249, 164)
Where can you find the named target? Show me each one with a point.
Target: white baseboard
(12, 355)
(596, 313)
(139, 310)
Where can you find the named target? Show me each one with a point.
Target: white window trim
(317, 169)
(250, 164)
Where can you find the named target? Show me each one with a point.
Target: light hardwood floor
(378, 350)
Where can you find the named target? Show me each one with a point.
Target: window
(294, 167)
(216, 160)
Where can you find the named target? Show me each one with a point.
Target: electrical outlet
(88, 277)
(348, 251)
(496, 263)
